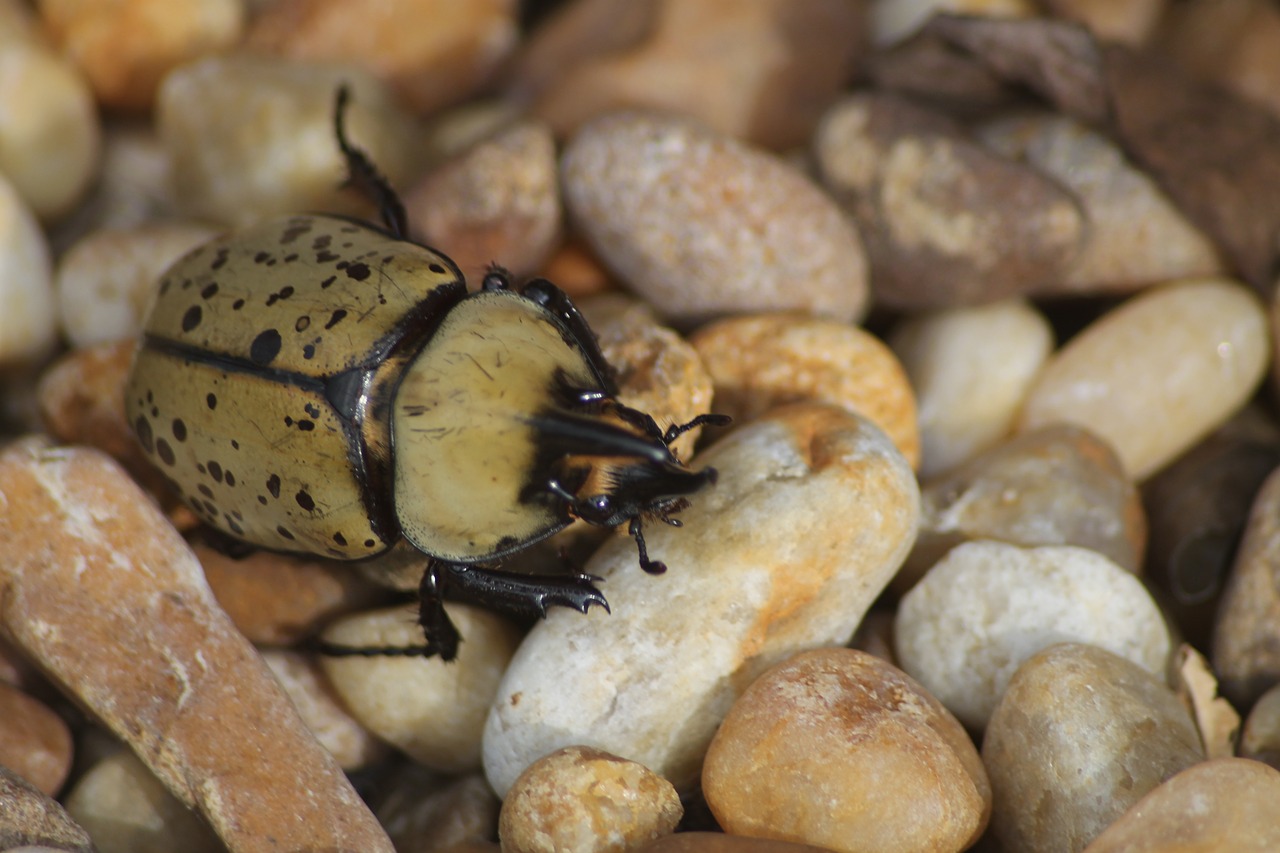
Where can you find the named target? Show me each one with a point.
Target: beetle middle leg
(441, 634)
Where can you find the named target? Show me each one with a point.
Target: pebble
(945, 221)
(1158, 373)
(34, 821)
(700, 224)
(586, 800)
(28, 324)
(894, 20)
(1260, 738)
(125, 48)
(50, 136)
(1058, 485)
(431, 710)
(133, 187)
(758, 362)
(423, 812)
(715, 842)
(1131, 22)
(1246, 639)
(1235, 44)
(971, 369)
(106, 281)
(987, 606)
(250, 137)
(351, 744)
(813, 512)
(99, 590)
(1135, 235)
(1228, 804)
(127, 810)
(497, 203)
(1080, 736)
(761, 72)
(839, 749)
(35, 743)
(432, 53)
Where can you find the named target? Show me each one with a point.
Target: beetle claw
(520, 594)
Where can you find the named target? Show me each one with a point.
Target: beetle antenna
(363, 176)
(676, 430)
(653, 567)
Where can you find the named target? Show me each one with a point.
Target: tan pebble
(813, 512)
(839, 749)
(28, 324)
(1228, 804)
(1260, 738)
(35, 820)
(101, 592)
(126, 47)
(970, 368)
(894, 20)
(107, 279)
(433, 52)
(987, 606)
(431, 710)
(1159, 372)
(50, 136)
(1079, 736)
(1235, 43)
(35, 743)
(576, 271)
(424, 813)
(18, 22)
(280, 599)
(133, 187)
(763, 361)
(1059, 485)
(700, 224)
(584, 799)
(715, 842)
(249, 137)
(1136, 236)
(1131, 22)
(497, 203)
(1246, 637)
(761, 72)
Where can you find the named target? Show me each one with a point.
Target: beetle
(324, 385)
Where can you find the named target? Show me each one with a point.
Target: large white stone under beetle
(323, 385)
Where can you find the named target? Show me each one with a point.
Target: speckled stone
(839, 749)
(700, 224)
(766, 360)
(812, 514)
(970, 368)
(1079, 736)
(100, 591)
(35, 821)
(583, 799)
(1158, 373)
(987, 606)
(35, 743)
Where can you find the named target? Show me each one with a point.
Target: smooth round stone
(28, 324)
(251, 137)
(758, 362)
(35, 743)
(498, 202)
(970, 368)
(106, 281)
(1131, 22)
(1237, 45)
(579, 798)
(126, 47)
(716, 842)
(33, 820)
(1246, 637)
(895, 20)
(50, 137)
(1079, 736)
(1228, 804)
(424, 812)
(431, 710)
(1158, 373)
(1059, 485)
(700, 224)
(813, 512)
(1260, 738)
(100, 591)
(1135, 237)
(987, 606)
(839, 749)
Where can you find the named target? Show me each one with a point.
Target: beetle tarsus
(524, 595)
(363, 176)
(653, 567)
(676, 430)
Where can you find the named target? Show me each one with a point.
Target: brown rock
(426, 813)
(1260, 739)
(1236, 43)
(31, 818)
(581, 798)
(35, 743)
(105, 595)
(839, 749)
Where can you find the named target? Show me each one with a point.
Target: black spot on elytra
(237, 305)
(210, 290)
(215, 471)
(205, 490)
(273, 485)
(335, 318)
(284, 531)
(262, 499)
(235, 445)
(436, 268)
(155, 411)
(282, 293)
(290, 258)
(164, 451)
(305, 500)
(324, 285)
(325, 257)
(179, 429)
(211, 509)
(262, 257)
(301, 324)
(229, 477)
(200, 467)
(309, 352)
(369, 543)
(265, 347)
(165, 284)
(312, 409)
(359, 272)
(219, 259)
(234, 525)
(192, 318)
(293, 232)
(322, 242)
(306, 426)
(340, 539)
(211, 400)
(142, 429)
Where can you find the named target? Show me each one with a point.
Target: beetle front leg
(523, 595)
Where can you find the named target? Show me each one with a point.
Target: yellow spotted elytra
(324, 385)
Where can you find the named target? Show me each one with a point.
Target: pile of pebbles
(991, 562)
